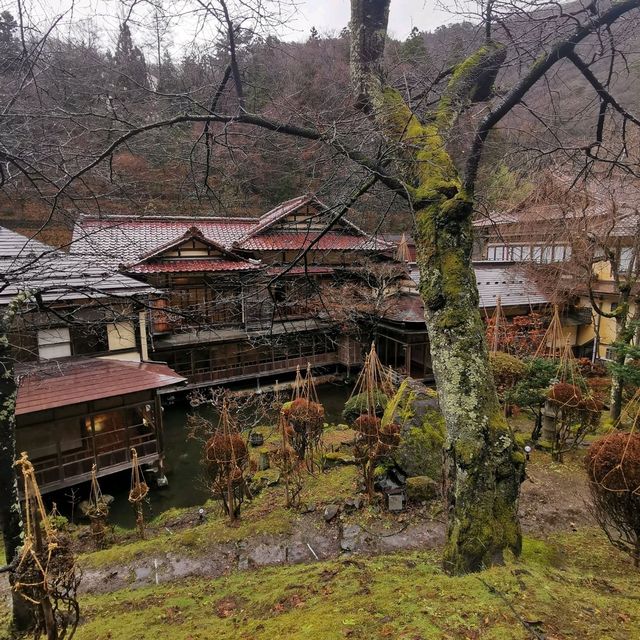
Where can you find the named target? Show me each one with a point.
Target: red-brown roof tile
(51, 384)
(299, 241)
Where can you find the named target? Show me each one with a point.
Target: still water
(183, 457)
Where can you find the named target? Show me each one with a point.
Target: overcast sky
(333, 15)
(327, 16)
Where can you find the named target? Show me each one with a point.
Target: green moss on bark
(415, 408)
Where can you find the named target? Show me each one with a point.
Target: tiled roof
(120, 240)
(291, 241)
(117, 240)
(191, 265)
(407, 307)
(259, 238)
(15, 245)
(52, 384)
(504, 280)
(281, 211)
(55, 275)
(225, 260)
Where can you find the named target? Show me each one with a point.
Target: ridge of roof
(123, 217)
(277, 213)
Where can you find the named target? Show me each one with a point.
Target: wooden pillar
(159, 426)
(59, 454)
(407, 358)
(93, 443)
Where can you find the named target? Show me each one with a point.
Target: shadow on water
(183, 457)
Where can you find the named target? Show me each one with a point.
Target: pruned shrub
(613, 468)
(367, 427)
(227, 458)
(373, 443)
(223, 448)
(306, 420)
(507, 370)
(576, 416)
(359, 404)
(565, 394)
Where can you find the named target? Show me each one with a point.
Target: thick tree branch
(369, 20)
(560, 51)
(600, 89)
(357, 156)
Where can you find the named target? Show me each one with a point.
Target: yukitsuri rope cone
(553, 341)
(138, 492)
(46, 574)
(305, 416)
(373, 441)
(227, 458)
(98, 510)
(285, 458)
(613, 468)
(577, 412)
(496, 326)
(403, 254)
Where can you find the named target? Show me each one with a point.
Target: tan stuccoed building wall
(605, 327)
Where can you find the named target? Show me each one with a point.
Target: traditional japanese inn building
(141, 307)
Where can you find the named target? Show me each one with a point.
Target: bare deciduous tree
(426, 149)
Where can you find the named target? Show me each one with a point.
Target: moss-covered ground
(265, 515)
(569, 586)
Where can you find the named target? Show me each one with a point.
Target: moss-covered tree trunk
(484, 464)
(484, 467)
(617, 385)
(10, 511)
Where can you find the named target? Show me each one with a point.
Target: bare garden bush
(613, 467)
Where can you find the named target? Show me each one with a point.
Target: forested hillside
(74, 100)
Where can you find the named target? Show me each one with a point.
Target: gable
(192, 248)
(191, 252)
(308, 217)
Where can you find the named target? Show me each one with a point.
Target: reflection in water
(183, 463)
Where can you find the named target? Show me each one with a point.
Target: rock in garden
(267, 477)
(352, 504)
(350, 537)
(422, 489)
(330, 512)
(337, 459)
(415, 408)
(263, 479)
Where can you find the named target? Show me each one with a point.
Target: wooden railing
(247, 370)
(66, 469)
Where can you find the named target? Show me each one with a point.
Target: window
(526, 253)
(54, 343)
(121, 335)
(536, 256)
(495, 253)
(626, 259)
(547, 254)
(610, 353)
(88, 339)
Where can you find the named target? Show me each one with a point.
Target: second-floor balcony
(170, 316)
